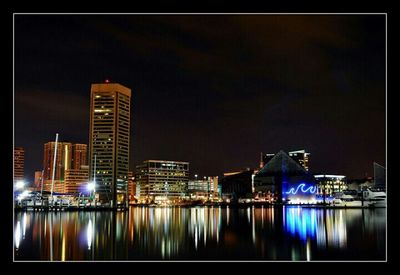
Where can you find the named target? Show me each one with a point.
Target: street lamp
(19, 185)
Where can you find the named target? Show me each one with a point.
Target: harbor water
(202, 233)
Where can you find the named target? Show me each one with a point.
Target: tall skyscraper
(19, 160)
(109, 141)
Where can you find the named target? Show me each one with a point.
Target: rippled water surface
(202, 233)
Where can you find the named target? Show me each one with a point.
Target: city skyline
(211, 90)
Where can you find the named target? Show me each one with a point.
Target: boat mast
(94, 181)
(54, 169)
(41, 187)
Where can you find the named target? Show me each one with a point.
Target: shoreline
(238, 206)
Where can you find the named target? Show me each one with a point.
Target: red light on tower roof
(107, 81)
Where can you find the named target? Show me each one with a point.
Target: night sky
(212, 90)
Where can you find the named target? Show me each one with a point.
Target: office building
(203, 188)
(329, 184)
(301, 157)
(63, 160)
(79, 156)
(76, 180)
(19, 161)
(109, 141)
(162, 180)
(69, 157)
(38, 180)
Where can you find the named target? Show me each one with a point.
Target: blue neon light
(301, 186)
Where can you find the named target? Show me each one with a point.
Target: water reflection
(89, 234)
(300, 222)
(17, 235)
(326, 226)
(214, 233)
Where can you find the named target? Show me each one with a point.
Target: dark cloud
(213, 90)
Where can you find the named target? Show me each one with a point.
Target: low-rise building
(162, 180)
(329, 184)
(237, 184)
(206, 188)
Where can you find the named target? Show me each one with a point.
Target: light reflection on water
(327, 227)
(148, 233)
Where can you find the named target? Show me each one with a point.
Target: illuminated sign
(303, 189)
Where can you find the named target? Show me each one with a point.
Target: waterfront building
(79, 156)
(282, 179)
(206, 188)
(162, 180)
(38, 180)
(300, 156)
(265, 158)
(237, 184)
(109, 138)
(19, 162)
(69, 157)
(76, 180)
(63, 162)
(329, 184)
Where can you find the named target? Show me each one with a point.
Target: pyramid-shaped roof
(281, 164)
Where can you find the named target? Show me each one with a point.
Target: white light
(330, 176)
(90, 186)
(89, 234)
(19, 184)
(17, 235)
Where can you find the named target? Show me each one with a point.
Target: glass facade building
(300, 156)
(162, 180)
(330, 184)
(283, 179)
(203, 188)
